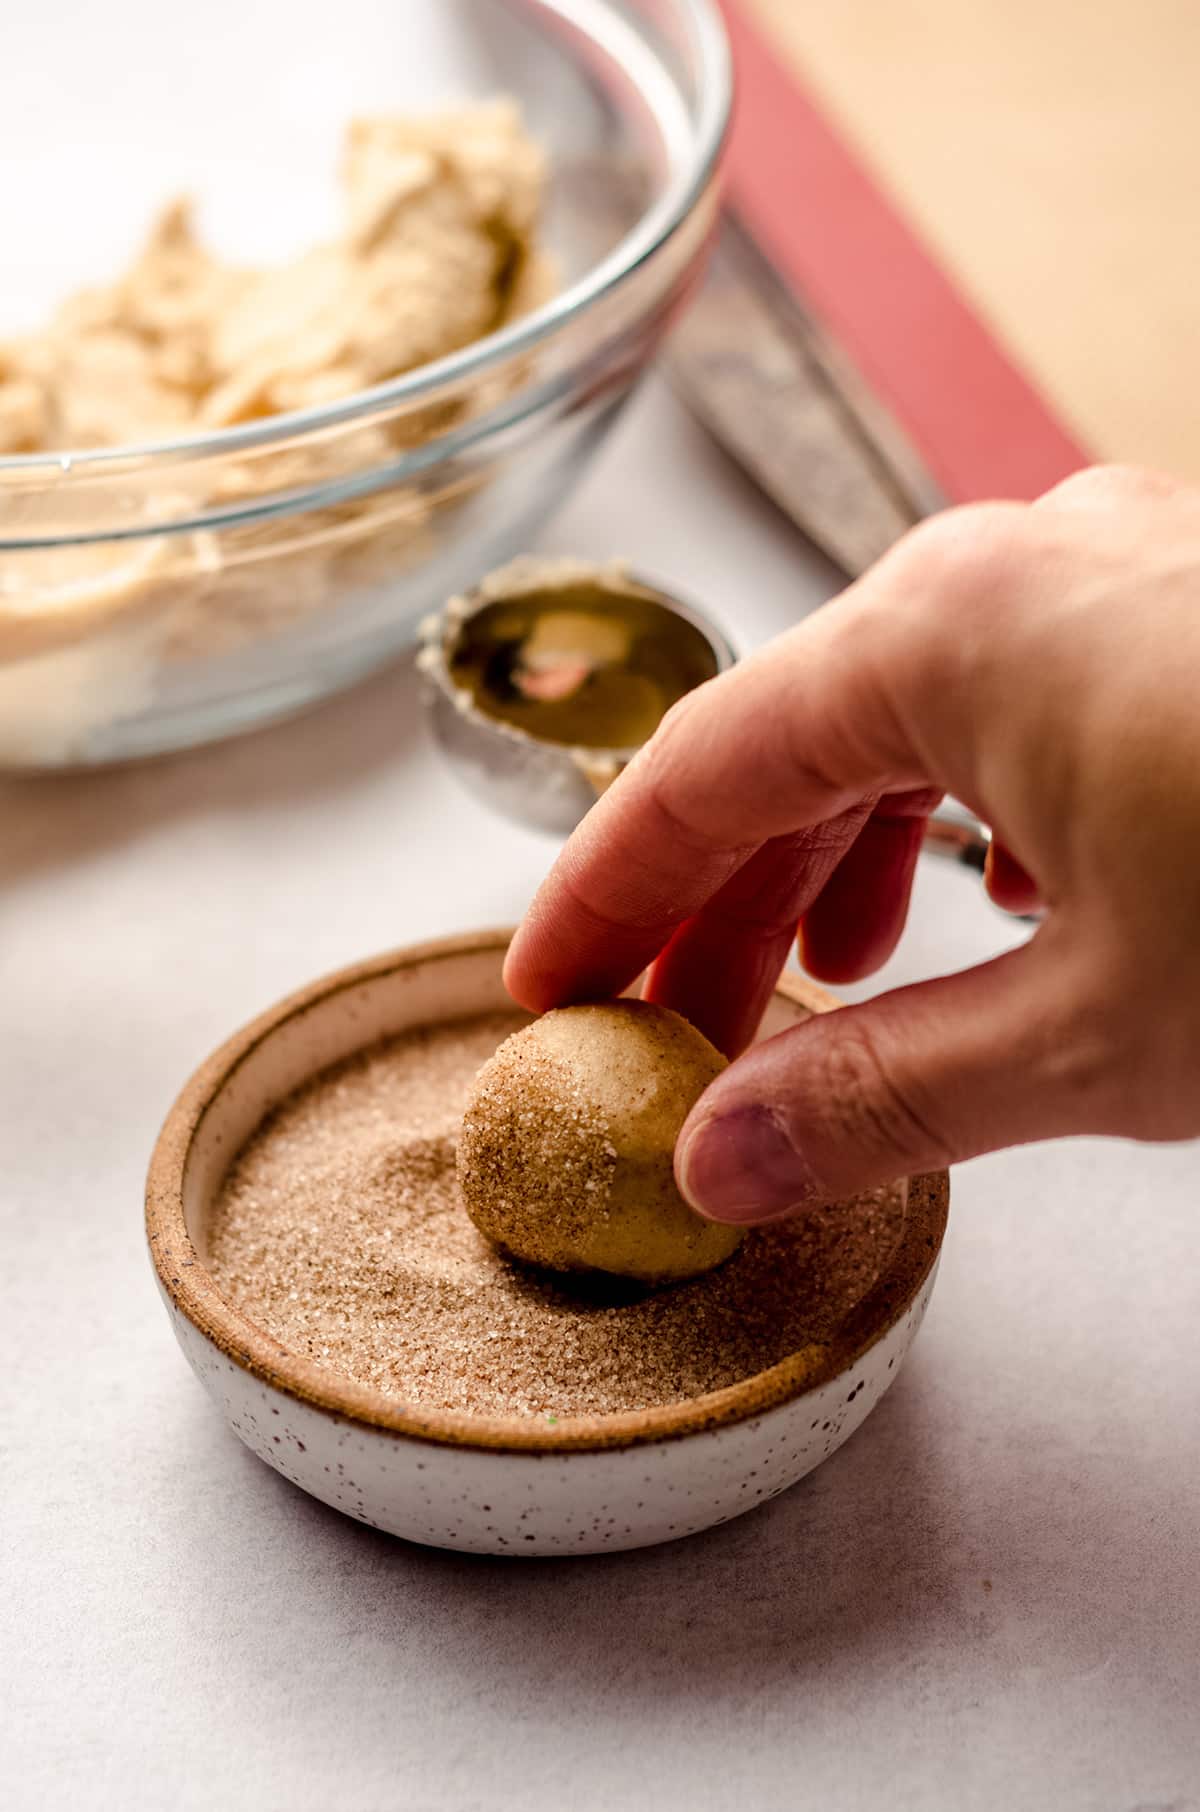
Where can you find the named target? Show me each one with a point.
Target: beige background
(1049, 152)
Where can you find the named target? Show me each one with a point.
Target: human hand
(1040, 662)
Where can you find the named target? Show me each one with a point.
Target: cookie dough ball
(566, 1147)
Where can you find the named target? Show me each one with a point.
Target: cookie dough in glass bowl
(360, 357)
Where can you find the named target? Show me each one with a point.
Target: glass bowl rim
(666, 214)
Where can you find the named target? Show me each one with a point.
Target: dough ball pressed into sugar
(565, 1155)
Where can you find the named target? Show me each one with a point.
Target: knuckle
(668, 754)
(963, 553)
(956, 588)
(959, 576)
(658, 760)
(1127, 1072)
(872, 1109)
(1096, 486)
(1117, 1049)
(1080, 1063)
(666, 779)
(674, 717)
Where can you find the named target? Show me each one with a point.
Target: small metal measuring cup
(550, 786)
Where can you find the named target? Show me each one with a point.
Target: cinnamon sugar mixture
(339, 1230)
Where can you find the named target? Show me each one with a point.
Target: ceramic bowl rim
(192, 1291)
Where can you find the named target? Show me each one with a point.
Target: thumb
(910, 1081)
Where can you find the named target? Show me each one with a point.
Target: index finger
(787, 740)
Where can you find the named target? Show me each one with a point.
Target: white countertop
(989, 1599)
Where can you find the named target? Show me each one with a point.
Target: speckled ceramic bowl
(494, 1485)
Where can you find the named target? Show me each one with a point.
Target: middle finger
(721, 966)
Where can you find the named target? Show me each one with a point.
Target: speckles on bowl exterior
(487, 1502)
(494, 1485)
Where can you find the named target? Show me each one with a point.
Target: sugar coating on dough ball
(565, 1155)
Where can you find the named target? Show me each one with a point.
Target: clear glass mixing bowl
(161, 595)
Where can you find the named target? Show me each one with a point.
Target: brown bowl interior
(443, 980)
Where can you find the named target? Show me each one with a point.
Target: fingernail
(742, 1166)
